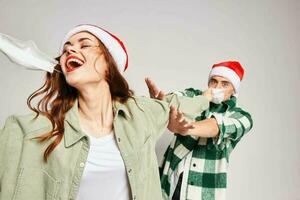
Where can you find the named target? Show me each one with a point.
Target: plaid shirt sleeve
(233, 125)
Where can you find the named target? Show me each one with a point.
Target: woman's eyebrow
(79, 40)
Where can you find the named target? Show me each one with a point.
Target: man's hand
(154, 92)
(177, 122)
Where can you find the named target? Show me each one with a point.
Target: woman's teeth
(73, 62)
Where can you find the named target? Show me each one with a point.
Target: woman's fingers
(161, 95)
(153, 90)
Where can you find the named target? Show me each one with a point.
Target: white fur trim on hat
(111, 42)
(227, 73)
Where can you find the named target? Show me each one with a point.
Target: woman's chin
(81, 82)
(83, 78)
(74, 81)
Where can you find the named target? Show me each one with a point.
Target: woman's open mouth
(73, 63)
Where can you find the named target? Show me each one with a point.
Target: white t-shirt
(104, 176)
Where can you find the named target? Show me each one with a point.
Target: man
(195, 163)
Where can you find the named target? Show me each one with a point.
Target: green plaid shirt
(204, 161)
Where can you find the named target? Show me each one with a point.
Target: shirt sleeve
(233, 125)
(190, 107)
(189, 92)
(4, 138)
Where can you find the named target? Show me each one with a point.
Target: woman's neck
(95, 109)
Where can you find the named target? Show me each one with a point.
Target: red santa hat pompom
(232, 70)
(114, 45)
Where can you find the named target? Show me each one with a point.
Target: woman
(88, 137)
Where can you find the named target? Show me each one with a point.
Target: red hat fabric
(232, 70)
(113, 43)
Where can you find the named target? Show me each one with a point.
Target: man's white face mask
(217, 95)
(26, 54)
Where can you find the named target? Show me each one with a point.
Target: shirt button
(129, 171)
(81, 164)
(119, 139)
(194, 165)
(134, 197)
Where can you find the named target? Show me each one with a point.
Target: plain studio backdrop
(175, 42)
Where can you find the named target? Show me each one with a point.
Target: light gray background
(175, 42)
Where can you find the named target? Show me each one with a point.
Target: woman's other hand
(154, 92)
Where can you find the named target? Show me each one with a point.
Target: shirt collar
(224, 106)
(73, 133)
(231, 103)
(121, 109)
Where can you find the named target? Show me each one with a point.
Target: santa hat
(114, 45)
(232, 70)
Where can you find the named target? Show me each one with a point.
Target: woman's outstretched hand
(154, 92)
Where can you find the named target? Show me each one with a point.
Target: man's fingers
(172, 108)
(180, 117)
(208, 94)
(173, 112)
(189, 126)
(183, 121)
(183, 131)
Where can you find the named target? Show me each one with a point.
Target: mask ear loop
(58, 71)
(54, 69)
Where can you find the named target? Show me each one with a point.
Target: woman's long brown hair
(57, 98)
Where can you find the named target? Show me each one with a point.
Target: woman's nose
(71, 49)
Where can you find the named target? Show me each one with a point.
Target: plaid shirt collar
(224, 106)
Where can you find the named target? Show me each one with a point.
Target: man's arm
(177, 122)
(233, 125)
(206, 128)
